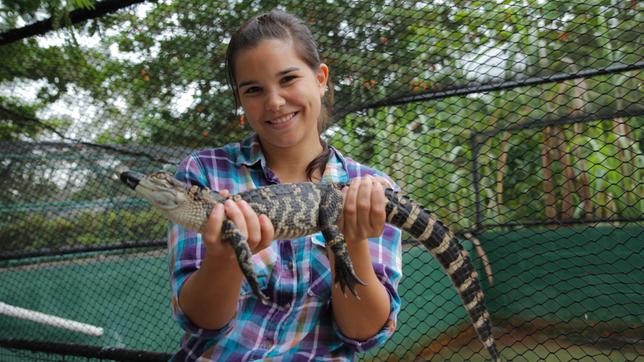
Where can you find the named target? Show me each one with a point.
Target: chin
(286, 143)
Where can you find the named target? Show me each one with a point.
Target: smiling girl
(276, 75)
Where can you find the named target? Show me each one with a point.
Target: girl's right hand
(258, 229)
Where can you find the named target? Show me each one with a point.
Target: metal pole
(50, 320)
(476, 180)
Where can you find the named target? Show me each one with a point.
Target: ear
(322, 76)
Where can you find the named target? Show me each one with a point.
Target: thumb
(212, 230)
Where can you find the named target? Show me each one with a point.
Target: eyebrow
(279, 74)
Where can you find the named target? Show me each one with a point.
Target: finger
(212, 230)
(268, 232)
(378, 204)
(386, 184)
(363, 217)
(252, 223)
(236, 216)
(224, 193)
(350, 203)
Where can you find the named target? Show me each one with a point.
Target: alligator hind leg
(344, 272)
(232, 235)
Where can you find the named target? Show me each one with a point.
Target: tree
(153, 74)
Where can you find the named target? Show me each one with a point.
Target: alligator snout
(131, 178)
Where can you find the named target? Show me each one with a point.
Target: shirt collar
(336, 168)
(251, 153)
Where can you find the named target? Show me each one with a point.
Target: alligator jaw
(131, 178)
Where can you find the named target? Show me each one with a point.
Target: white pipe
(50, 320)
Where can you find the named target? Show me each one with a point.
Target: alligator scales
(301, 209)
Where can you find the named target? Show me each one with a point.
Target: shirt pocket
(263, 265)
(320, 272)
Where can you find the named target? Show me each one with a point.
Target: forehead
(267, 58)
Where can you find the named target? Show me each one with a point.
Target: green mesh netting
(520, 123)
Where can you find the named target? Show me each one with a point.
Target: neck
(289, 164)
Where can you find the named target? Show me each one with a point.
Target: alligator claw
(254, 286)
(346, 276)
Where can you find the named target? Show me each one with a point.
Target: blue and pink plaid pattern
(298, 324)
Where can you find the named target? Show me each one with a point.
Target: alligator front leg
(344, 272)
(232, 235)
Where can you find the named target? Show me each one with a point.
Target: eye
(289, 79)
(251, 90)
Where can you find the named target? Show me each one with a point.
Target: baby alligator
(301, 209)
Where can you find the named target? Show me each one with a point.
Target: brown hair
(278, 24)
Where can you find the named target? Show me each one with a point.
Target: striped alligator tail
(441, 242)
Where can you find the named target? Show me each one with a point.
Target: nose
(275, 101)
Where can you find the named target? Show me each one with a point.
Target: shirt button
(290, 265)
(287, 306)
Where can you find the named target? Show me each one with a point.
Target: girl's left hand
(364, 208)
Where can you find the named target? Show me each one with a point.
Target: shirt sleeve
(185, 253)
(185, 249)
(386, 258)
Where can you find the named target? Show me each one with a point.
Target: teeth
(282, 119)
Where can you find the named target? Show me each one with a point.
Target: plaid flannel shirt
(298, 324)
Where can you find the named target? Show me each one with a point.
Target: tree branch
(75, 16)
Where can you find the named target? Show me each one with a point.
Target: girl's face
(281, 95)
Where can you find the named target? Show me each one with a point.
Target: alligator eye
(160, 175)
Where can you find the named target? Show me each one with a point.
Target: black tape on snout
(131, 178)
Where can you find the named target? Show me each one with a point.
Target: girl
(277, 78)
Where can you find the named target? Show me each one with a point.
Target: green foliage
(38, 232)
(148, 57)
(32, 10)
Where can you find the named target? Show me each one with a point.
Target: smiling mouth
(283, 119)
